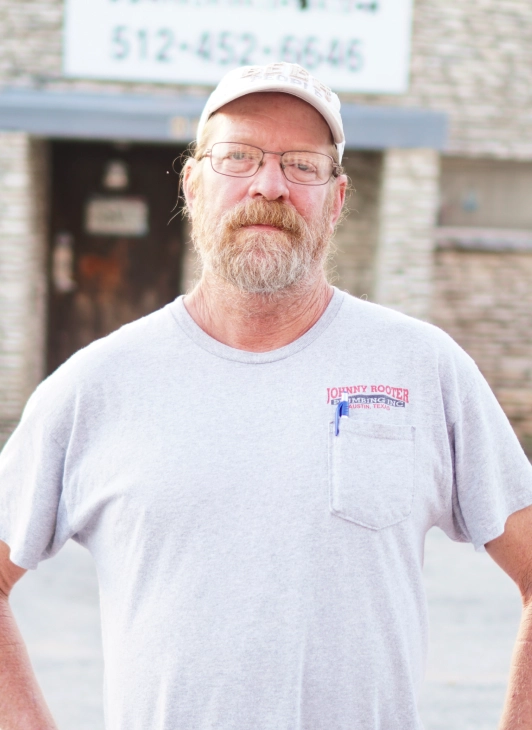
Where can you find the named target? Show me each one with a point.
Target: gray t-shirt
(256, 570)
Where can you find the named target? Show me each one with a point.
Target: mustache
(262, 212)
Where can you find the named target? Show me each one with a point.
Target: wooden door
(115, 255)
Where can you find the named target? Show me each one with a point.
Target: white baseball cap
(288, 78)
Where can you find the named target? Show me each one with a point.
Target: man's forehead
(265, 99)
(275, 112)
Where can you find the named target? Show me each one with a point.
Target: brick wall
(352, 267)
(471, 59)
(23, 178)
(484, 301)
(408, 204)
(385, 245)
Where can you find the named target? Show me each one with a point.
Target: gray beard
(261, 262)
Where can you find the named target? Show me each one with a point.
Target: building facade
(440, 221)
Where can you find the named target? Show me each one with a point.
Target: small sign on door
(116, 216)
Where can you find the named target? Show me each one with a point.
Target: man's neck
(256, 322)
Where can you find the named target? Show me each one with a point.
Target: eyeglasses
(244, 160)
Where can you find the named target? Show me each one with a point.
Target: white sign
(116, 217)
(351, 45)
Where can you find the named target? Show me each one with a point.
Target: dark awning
(138, 118)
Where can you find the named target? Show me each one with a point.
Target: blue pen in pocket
(342, 410)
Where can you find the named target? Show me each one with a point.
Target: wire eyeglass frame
(336, 170)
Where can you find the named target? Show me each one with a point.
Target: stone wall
(23, 180)
(471, 59)
(385, 245)
(408, 204)
(484, 301)
(353, 264)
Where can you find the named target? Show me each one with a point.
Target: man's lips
(262, 227)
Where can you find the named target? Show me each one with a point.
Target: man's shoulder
(376, 320)
(140, 339)
(408, 343)
(123, 355)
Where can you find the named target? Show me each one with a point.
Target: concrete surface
(474, 610)
(474, 613)
(57, 610)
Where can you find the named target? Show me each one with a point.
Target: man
(254, 467)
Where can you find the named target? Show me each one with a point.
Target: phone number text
(226, 48)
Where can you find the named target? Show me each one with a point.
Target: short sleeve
(492, 475)
(33, 516)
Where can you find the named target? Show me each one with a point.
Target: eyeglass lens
(243, 160)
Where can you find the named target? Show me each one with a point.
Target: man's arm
(513, 552)
(22, 705)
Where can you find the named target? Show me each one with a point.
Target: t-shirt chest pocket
(371, 472)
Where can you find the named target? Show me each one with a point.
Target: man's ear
(338, 200)
(190, 183)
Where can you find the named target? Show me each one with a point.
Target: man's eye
(239, 156)
(301, 166)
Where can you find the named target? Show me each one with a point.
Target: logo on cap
(289, 73)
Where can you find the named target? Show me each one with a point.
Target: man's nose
(269, 182)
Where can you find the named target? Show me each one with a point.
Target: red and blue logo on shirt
(370, 396)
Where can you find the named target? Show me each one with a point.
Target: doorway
(115, 250)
